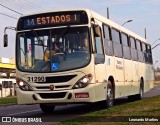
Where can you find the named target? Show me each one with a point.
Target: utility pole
(145, 33)
(107, 13)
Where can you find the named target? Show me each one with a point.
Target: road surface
(61, 112)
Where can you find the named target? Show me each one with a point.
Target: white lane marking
(23, 112)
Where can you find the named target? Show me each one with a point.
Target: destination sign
(52, 19)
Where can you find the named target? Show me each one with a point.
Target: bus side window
(107, 40)
(133, 49)
(139, 49)
(150, 55)
(126, 48)
(145, 52)
(116, 43)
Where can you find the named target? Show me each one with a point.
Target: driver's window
(98, 43)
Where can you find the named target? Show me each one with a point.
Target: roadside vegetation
(146, 108)
(8, 100)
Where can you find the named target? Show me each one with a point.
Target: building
(157, 74)
(7, 77)
(7, 68)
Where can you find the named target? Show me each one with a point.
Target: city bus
(52, 67)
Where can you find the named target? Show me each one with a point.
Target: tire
(140, 95)
(109, 96)
(47, 108)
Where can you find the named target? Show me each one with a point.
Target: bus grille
(52, 95)
(56, 87)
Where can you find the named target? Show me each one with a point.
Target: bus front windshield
(53, 50)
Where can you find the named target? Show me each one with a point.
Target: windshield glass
(53, 50)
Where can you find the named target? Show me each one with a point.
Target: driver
(55, 49)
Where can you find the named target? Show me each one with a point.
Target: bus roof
(117, 26)
(100, 18)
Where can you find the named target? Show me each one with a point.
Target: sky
(144, 13)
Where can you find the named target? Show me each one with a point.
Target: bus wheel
(141, 91)
(47, 108)
(109, 96)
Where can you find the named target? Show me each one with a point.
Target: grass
(8, 100)
(145, 108)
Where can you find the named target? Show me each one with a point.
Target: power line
(22, 5)
(11, 9)
(8, 16)
(19, 4)
(35, 5)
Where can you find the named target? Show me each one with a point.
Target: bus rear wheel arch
(138, 96)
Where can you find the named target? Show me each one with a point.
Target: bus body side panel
(148, 84)
(128, 76)
(119, 77)
(135, 78)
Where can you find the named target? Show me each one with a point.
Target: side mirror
(97, 31)
(5, 40)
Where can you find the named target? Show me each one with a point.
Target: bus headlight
(24, 86)
(83, 82)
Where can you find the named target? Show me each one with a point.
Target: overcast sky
(144, 13)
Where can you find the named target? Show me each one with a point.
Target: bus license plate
(36, 79)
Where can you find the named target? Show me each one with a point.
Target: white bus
(53, 68)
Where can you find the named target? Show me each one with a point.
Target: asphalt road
(61, 112)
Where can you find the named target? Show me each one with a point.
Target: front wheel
(109, 96)
(47, 108)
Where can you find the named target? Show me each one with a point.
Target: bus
(52, 68)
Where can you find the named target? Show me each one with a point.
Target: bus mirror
(5, 40)
(97, 31)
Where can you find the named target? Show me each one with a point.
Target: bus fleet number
(36, 79)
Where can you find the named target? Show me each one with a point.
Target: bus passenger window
(149, 54)
(116, 43)
(107, 41)
(126, 48)
(145, 52)
(139, 49)
(133, 49)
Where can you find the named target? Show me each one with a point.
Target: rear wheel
(47, 108)
(109, 96)
(140, 95)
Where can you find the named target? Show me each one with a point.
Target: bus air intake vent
(58, 79)
(52, 95)
(57, 87)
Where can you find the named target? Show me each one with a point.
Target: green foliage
(8, 100)
(143, 108)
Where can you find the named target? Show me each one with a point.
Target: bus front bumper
(82, 95)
